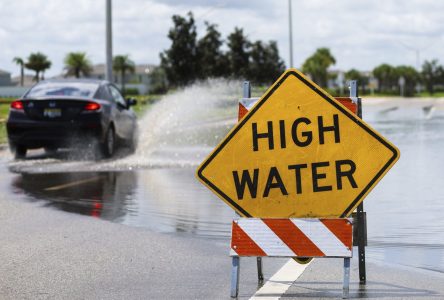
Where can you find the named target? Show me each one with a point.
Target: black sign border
(329, 100)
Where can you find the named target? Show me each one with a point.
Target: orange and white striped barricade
(291, 238)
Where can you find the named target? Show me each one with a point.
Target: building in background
(140, 80)
(5, 78)
(28, 80)
(338, 82)
(11, 87)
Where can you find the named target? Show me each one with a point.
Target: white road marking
(71, 184)
(280, 282)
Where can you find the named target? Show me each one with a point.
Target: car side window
(117, 96)
(104, 93)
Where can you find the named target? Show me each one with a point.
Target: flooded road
(156, 187)
(406, 211)
(167, 200)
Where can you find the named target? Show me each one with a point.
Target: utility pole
(109, 43)
(417, 51)
(290, 25)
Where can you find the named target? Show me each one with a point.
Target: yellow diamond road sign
(297, 153)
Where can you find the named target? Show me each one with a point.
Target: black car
(71, 114)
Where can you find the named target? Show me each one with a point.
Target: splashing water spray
(185, 125)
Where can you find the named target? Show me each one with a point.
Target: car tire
(134, 141)
(19, 152)
(109, 143)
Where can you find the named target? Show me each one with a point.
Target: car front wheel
(133, 142)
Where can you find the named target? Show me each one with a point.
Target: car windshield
(75, 89)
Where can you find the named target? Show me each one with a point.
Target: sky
(360, 34)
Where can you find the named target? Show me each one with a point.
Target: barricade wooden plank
(292, 237)
(245, 106)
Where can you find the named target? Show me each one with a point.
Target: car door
(124, 117)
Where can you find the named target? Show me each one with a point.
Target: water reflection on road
(164, 200)
(109, 195)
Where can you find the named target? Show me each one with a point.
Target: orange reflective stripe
(293, 237)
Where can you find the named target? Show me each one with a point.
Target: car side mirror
(131, 102)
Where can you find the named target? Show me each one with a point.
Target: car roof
(99, 83)
(74, 80)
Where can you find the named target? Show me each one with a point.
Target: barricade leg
(260, 275)
(346, 286)
(361, 243)
(235, 267)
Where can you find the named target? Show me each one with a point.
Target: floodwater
(406, 210)
(156, 188)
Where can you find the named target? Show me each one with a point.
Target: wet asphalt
(48, 254)
(323, 280)
(55, 254)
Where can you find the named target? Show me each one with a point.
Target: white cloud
(360, 34)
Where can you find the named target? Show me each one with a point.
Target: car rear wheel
(19, 152)
(109, 143)
(50, 150)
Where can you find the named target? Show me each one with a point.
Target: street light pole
(290, 25)
(109, 43)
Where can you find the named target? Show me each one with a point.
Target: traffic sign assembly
(298, 153)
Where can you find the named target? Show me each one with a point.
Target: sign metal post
(361, 220)
(247, 97)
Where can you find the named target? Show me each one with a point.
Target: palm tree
(19, 61)
(77, 63)
(317, 64)
(386, 76)
(432, 73)
(38, 62)
(122, 64)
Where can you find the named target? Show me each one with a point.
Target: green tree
(386, 76)
(158, 81)
(353, 74)
(411, 77)
(212, 61)
(265, 64)
(19, 61)
(122, 64)
(77, 63)
(180, 61)
(317, 64)
(38, 62)
(238, 53)
(432, 73)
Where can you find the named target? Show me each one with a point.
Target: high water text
(302, 132)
